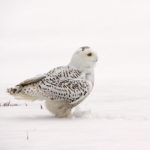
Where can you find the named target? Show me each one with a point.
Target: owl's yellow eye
(89, 54)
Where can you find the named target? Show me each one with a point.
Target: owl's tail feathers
(16, 90)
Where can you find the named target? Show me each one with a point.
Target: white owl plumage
(63, 87)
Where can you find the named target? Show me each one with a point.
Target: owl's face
(88, 55)
(84, 57)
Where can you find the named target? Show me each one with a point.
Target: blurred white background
(37, 35)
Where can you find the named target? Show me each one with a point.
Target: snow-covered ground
(36, 36)
(113, 117)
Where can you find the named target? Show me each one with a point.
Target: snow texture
(34, 35)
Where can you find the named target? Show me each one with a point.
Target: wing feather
(32, 80)
(69, 90)
(59, 84)
(65, 83)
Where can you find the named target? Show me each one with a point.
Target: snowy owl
(63, 87)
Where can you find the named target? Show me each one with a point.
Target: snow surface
(36, 36)
(105, 121)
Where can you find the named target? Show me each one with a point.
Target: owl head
(84, 58)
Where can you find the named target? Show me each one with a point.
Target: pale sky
(51, 30)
